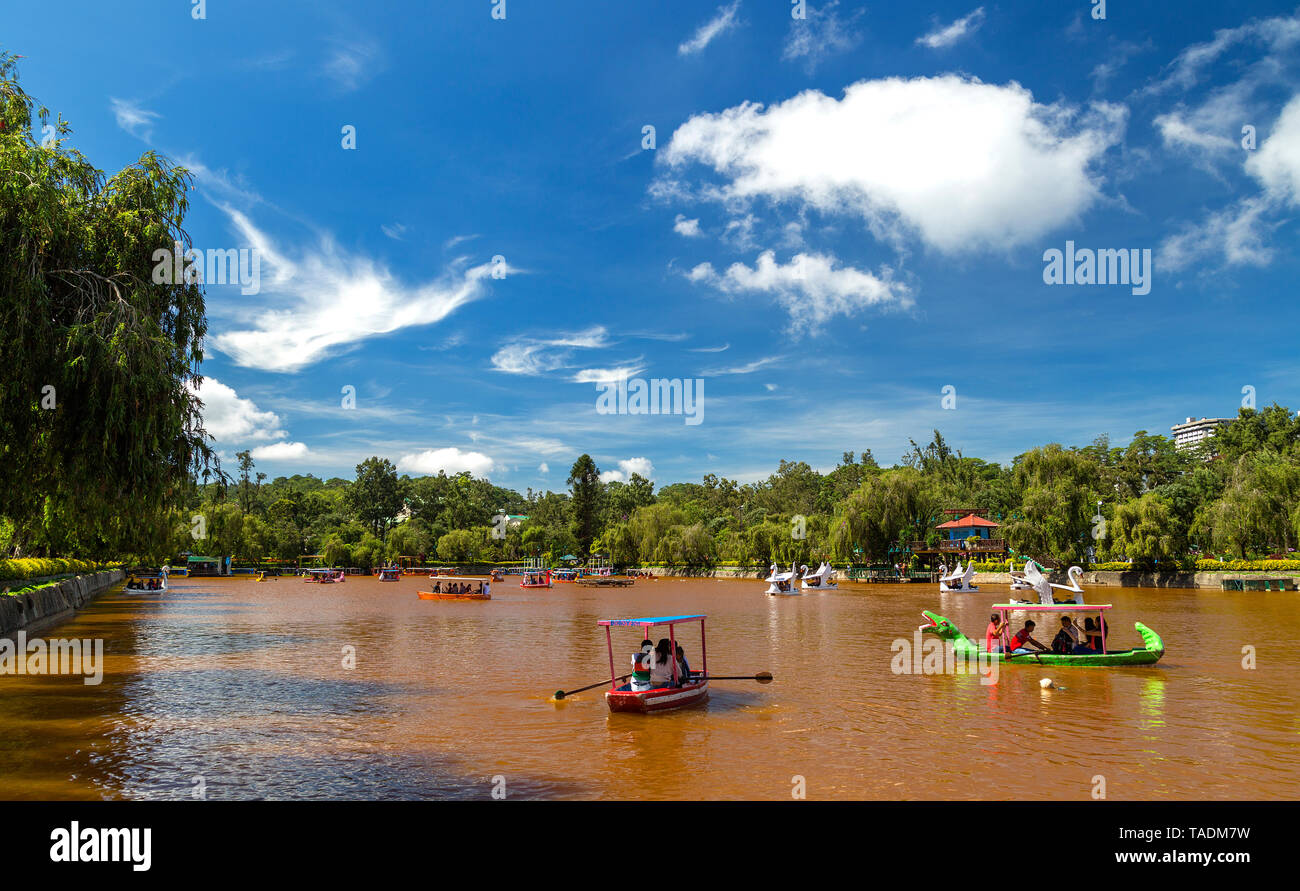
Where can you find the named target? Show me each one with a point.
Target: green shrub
(39, 567)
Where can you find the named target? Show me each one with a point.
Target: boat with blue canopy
(640, 695)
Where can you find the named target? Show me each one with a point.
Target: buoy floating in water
(1046, 683)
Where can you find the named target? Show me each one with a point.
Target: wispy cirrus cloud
(820, 34)
(132, 118)
(944, 36)
(602, 375)
(722, 22)
(325, 299)
(534, 356)
(353, 62)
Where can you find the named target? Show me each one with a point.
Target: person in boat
(1093, 636)
(1021, 640)
(661, 664)
(1071, 641)
(993, 634)
(683, 667)
(641, 666)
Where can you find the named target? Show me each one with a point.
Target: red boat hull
(661, 700)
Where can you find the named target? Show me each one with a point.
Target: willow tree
(100, 427)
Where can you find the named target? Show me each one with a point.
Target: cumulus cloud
(640, 466)
(946, 35)
(1276, 164)
(689, 228)
(961, 163)
(231, 419)
(281, 451)
(722, 22)
(450, 460)
(810, 287)
(1178, 132)
(326, 299)
(543, 468)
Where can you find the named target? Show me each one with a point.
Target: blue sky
(841, 215)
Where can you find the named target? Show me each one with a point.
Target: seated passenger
(1022, 637)
(1092, 633)
(641, 667)
(683, 667)
(661, 664)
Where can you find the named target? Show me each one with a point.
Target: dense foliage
(1237, 498)
(99, 424)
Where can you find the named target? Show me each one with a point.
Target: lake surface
(243, 684)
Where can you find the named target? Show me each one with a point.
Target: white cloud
(820, 34)
(1239, 233)
(281, 451)
(947, 35)
(1276, 164)
(231, 419)
(395, 231)
(1177, 132)
(689, 228)
(810, 287)
(457, 239)
(533, 356)
(601, 375)
(962, 163)
(326, 300)
(543, 468)
(354, 62)
(639, 466)
(450, 460)
(1279, 34)
(747, 368)
(724, 21)
(133, 119)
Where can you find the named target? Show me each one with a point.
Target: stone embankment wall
(53, 603)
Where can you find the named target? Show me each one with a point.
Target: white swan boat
(957, 580)
(781, 583)
(821, 580)
(1045, 589)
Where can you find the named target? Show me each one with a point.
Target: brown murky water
(243, 684)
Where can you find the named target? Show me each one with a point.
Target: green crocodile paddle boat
(1145, 655)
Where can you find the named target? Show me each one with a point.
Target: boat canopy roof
(1053, 608)
(463, 578)
(650, 620)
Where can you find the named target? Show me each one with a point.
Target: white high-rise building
(1192, 431)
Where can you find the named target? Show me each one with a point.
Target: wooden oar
(560, 694)
(763, 677)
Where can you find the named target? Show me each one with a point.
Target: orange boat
(452, 588)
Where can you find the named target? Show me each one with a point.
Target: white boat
(781, 583)
(957, 580)
(147, 582)
(821, 580)
(1075, 575)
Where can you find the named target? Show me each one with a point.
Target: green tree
(376, 497)
(584, 492)
(100, 427)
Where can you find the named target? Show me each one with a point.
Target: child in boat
(641, 666)
(683, 667)
(993, 634)
(1022, 637)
